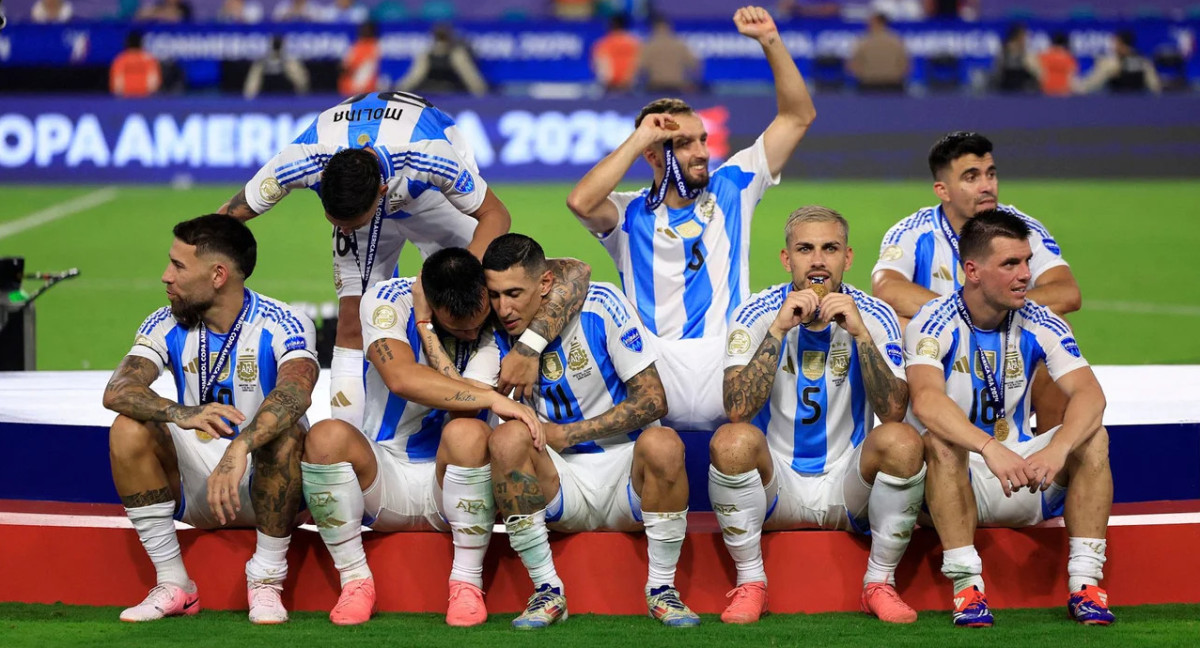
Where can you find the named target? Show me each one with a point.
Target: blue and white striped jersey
(939, 338)
(584, 370)
(272, 334)
(407, 429)
(916, 248)
(687, 269)
(818, 410)
(429, 169)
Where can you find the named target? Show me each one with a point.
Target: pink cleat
(881, 600)
(266, 606)
(466, 607)
(748, 605)
(356, 604)
(163, 601)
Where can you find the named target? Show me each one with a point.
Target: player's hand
(209, 418)
(556, 438)
(421, 308)
(798, 308)
(1046, 464)
(511, 410)
(655, 128)
(755, 22)
(840, 307)
(223, 483)
(518, 374)
(1013, 471)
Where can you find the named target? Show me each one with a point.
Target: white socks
(963, 566)
(346, 391)
(269, 562)
(1085, 566)
(664, 540)
(470, 510)
(892, 509)
(155, 526)
(529, 538)
(336, 504)
(740, 502)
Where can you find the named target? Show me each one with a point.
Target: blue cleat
(971, 609)
(664, 605)
(546, 607)
(1089, 606)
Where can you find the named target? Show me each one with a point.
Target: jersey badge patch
(1068, 343)
(739, 343)
(1052, 246)
(1012, 365)
(690, 229)
(928, 347)
(632, 340)
(271, 190)
(552, 366)
(143, 340)
(295, 343)
(384, 317)
(247, 368)
(894, 353)
(891, 253)
(813, 364)
(577, 358)
(991, 360)
(465, 182)
(839, 363)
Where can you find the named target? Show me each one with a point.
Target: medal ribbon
(995, 388)
(948, 232)
(209, 376)
(373, 239)
(674, 176)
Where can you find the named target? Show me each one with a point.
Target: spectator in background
(615, 56)
(134, 73)
(1058, 67)
(348, 11)
(240, 12)
(809, 9)
(666, 63)
(299, 11)
(276, 73)
(574, 9)
(880, 60)
(1125, 70)
(899, 10)
(1016, 68)
(952, 9)
(360, 67)
(447, 67)
(51, 11)
(166, 11)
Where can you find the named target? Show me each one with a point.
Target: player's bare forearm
(888, 394)
(746, 388)
(588, 200)
(1085, 407)
(939, 413)
(494, 220)
(420, 384)
(904, 296)
(1060, 294)
(435, 353)
(238, 207)
(284, 406)
(796, 111)
(565, 300)
(128, 392)
(646, 403)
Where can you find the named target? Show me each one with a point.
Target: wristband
(990, 439)
(534, 341)
(428, 324)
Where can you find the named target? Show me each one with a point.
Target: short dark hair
(667, 105)
(975, 241)
(350, 184)
(1060, 39)
(224, 235)
(955, 145)
(133, 40)
(452, 279)
(514, 249)
(1128, 38)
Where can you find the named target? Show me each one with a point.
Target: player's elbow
(923, 407)
(112, 397)
(1072, 301)
(580, 204)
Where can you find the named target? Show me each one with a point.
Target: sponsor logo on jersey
(690, 229)
(739, 343)
(961, 365)
(384, 317)
(632, 340)
(465, 182)
(270, 190)
(1068, 343)
(295, 343)
(895, 354)
(789, 367)
(668, 232)
(552, 366)
(812, 364)
(929, 347)
(247, 368)
(891, 253)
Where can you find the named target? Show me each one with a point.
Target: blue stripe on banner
(923, 261)
(641, 253)
(730, 203)
(858, 399)
(810, 440)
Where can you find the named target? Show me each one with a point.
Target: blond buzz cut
(815, 214)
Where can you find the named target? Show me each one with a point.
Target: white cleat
(266, 608)
(163, 601)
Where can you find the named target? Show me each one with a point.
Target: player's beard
(694, 182)
(189, 313)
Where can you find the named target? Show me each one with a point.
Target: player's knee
(901, 447)
(510, 443)
(734, 447)
(941, 456)
(661, 449)
(466, 439)
(130, 438)
(328, 442)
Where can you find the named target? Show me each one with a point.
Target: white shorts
(198, 455)
(405, 495)
(835, 499)
(435, 224)
(1023, 508)
(692, 373)
(595, 492)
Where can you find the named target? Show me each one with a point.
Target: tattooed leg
(275, 491)
(144, 467)
(524, 479)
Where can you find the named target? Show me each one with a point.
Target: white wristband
(534, 341)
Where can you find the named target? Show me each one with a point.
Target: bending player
(971, 358)
(809, 364)
(388, 167)
(682, 246)
(245, 366)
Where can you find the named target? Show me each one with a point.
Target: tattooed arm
(746, 388)
(128, 392)
(284, 406)
(888, 394)
(647, 402)
(238, 207)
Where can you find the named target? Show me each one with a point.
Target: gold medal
(821, 290)
(1001, 430)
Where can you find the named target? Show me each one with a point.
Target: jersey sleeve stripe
(410, 158)
(314, 167)
(608, 299)
(156, 318)
(431, 158)
(939, 319)
(914, 221)
(308, 159)
(762, 305)
(419, 167)
(873, 307)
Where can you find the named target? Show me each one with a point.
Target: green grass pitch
(1132, 245)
